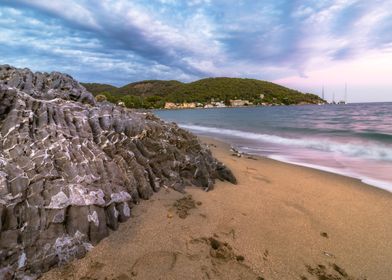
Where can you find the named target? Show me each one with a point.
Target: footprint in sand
(123, 277)
(256, 176)
(155, 264)
(261, 178)
(205, 258)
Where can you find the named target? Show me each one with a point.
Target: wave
(382, 137)
(381, 184)
(367, 135)
(357, 150)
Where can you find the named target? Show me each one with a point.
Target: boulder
(71, 169)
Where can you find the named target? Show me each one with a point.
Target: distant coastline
(244, 106)
(206, 93)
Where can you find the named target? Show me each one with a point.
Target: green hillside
(98, 88)
(154, 93)
(150, 88)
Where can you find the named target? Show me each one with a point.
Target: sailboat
(345, 96)
(322, 97)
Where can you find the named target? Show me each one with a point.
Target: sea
(354, 140)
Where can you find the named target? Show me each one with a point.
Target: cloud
(122, 41)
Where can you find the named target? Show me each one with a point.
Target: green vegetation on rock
(154, 93)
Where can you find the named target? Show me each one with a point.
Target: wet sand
(280, 222)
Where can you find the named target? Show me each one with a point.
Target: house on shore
(219, 104)
(240, 102)
(188, 105)
(170, 105)
(185, 105)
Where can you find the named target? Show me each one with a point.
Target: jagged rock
(71, 169)
(44, 85)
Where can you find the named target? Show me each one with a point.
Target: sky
(302, 44)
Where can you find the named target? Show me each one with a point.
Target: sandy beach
(279, 222)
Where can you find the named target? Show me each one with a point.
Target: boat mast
(345, 93)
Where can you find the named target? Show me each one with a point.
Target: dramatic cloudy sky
(299, 43)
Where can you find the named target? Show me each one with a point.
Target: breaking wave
(357, 150)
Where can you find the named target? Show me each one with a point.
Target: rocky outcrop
(45, 86)
(71, 169)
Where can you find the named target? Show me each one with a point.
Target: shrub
(100, 98)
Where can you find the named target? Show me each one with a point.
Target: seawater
(353, 139)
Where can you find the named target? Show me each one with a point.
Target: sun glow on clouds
(300, 44)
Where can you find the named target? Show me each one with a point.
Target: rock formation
(71, 168)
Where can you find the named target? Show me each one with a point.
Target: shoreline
(248, 106)
(316, 168)
(370, 182)
(281, 221)
(317, 141)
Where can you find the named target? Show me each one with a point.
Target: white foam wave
(381, 184)
(365, 150)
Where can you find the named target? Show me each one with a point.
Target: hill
(97, 88)
(155, 93)
(150, 88)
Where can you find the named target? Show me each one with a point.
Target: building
(188, 105)
(170, 105)
(240, 102)
(185, 105)
(218, 104)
